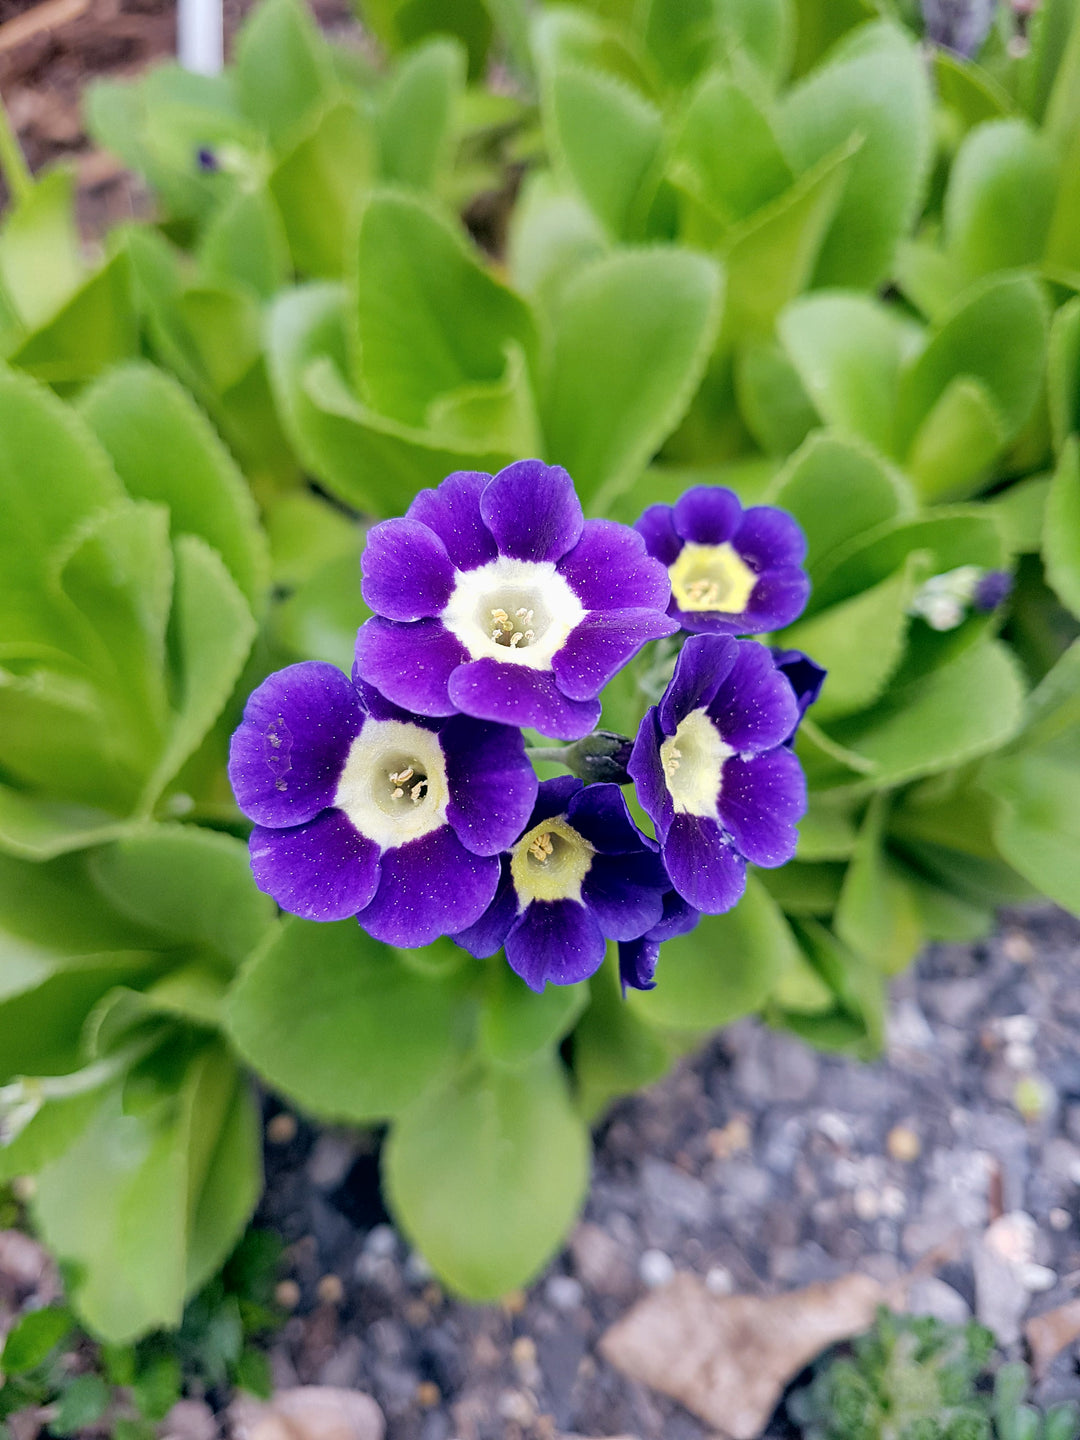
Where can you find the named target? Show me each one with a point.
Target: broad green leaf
(859, 987)
(416, 120)
(630, 346)
(316, 186)
(230, 1189)
(570, 35)
(1053, 707)
(1020, 511)
(486, 1174)
(52, 1130)
(804, 888)
(860, 641)
(56, 906)
(318, 1013)
(968, 90)
(997, 335)
(95, 328)
(772, 402)
(319, 620)
(928, 277)
(245, 241)
(1061, 260)
(877, 914)
(820, 24)
(1062, 117)
(400, 24)
(614, 1051)
(838, 489)
(956, 445)
(722, 970)
(847, 349)
(191, 885)
(945, 915)
(553, 234)
(826, 831)
(726, 153)
(960, 711)
(39, 829)
(1061, 528)
(516, 1024)
(33, 1338)
(40, 261)
(1063, 372)
(802, 990)
(763, 30)
(1000, 197)
(681, 36)
(305, 533)
(429, 316)
(1038, 827)
(283, 68)
(608, 138)
(165, 450)
(490, 415)
(873, 84)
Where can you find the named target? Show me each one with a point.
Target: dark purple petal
(992, 590)
(430, 887)
(407, 573)
(637, 958)
(600, 813)
(324, 870)
(646, 770)
(513, 694)
(707, 514)
(754, 708)
(554, 798)
(380, 708)
(705, 870)
(488, 935)
(410, 663)
(609, 568)
(491, 781)
(778, 599)
(556, 940)
(453, 512)
(804, 676)
(657, 530)
(288, 753)
(760, 801)
(626, 893)
(602, 644)
(533, 511)
(769, 538)
(704, 663)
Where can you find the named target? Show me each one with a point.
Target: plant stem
(555, 753)
(12, 160)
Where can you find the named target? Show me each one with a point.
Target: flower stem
(555, 753)
(12, 160)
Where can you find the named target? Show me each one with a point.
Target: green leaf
(955, 447)
(630, 347)
(95, 328)
(229, 1189)
(516, 1024)
(965, 88)
(608, 138)
(1061, 528)
(282, 68)
(400, 24)
(826, 831)
(803, 888)
(1001, 193)
(33, 1338)
(319, 620)
(553, 235)
(316, 186)
(722, 970)
(838, 490)
(614, 1051)
(40, 261)
(1061, 260)
(873, 84)
(38, 829)
(1037, 829)
(164, 449)
(772, 402)
(193, 886)
(416, 120)
(877, 914)
(1020, 511)
(82, 1403)
(487, 1173)
(317, 1012)
(1063, 372)
(157, 1386)
(430, 317)
(245, 241)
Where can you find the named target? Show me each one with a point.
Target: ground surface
(759, 1165)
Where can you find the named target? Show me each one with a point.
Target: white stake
(199, 42)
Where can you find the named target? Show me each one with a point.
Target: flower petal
(453, 512)
(704, 663)
(533, 511)
(646, 770)
(626, 893)
(517, 695)
(556, 940)
(600, 813)
(657, 529)
(707, 514)
(491, 780)
(610, 568)
(488, 935)
(760, 801)
(288, 752)
(778, 599)
(804, 676)
(754, 707)
(430, 887)
(601, 645)
(768, 538)
(554, 797)
(407, 573)
(410, 663)
(324, 870)
(704, 868)
(637, 958)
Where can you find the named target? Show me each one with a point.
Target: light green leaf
(1063, 372)
(318, 1013)
(319, 620)
(37, 829)
(1061, 528)
(763, 30)
(1038, 825)
(804, 888)
(95, 328)
(230, 1188)
(417, 117)
(32, 1338)
(553, 234)
(164, 449)
(1061, 260)
(630, 346)
(1020, 511)
(245, 241)
(283, 69)
(877, 914)
(516, 1024)
(490, 415)
(956, 445)
(56, 906)
(826, 831)
(614, 1051)
(722, 970)
(968, 90)
(772, 402)
(486, 1174)
(40, 261)
(1059, 46)
(1000, 197)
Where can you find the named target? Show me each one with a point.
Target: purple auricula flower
(494, 597)
(581, 874)
(637, 958)
(713, 773)
(732, 571)
(361, 809)
(804, 676)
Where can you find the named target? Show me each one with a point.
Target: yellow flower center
(711, 577)
(550, 862)
(693, 760)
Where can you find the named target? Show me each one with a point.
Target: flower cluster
(404, 794)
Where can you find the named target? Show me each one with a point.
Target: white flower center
(711, 577)
(693, 760)
(519, 611)
(550, 861)
(393, 787)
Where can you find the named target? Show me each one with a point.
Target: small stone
(428, 1394)
(928, 1295)
(281, 1130)
(189, 1420)
(432, 1294)
(287, 1294)
(719, 1280)
(836, 1129)
(523, 1356)
(601, 1262)
(655, 1269)
(1017, 1029)
(330, 1160)
(866, 1203)
(1037, 1278)
(330, 1290)
(1012, 1237)
(735, 1137)
(382, 1241)
(1059, 1219)
(309, 1412)
(517, 1406)
(563, 1292)
(1016, 946)
(417, 1269)
(1019, 1056)
(893, 1202)
(513, 1302)
(417, 1314)
(1048, 1334)
(345, 1366)
(903, 1144)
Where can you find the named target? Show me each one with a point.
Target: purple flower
(361, 809)
(992, 590)
(804, 676)
(494, 597)
(712, 771)
(637, 958)
(733, 571)
(582, 873)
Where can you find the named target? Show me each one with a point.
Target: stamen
(516, 639)
(403, 776)
(398, 793)
(705, 593)
(525, 615)
(542, 847)
(418, 791)
(672, 759)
